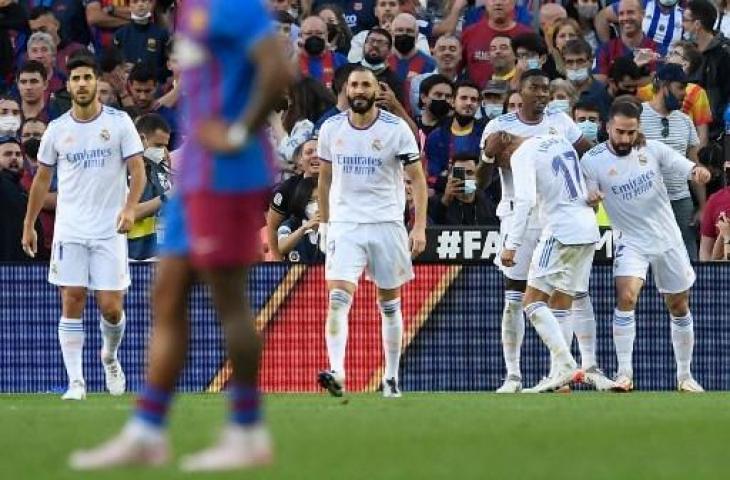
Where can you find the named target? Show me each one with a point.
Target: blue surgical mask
(561, 105)
(492, 110)
(533, 63)
(589, 129)
(470, 186)
(576, 75)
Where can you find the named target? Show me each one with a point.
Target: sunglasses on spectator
(665, 127)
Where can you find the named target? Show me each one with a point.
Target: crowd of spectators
(447, 67)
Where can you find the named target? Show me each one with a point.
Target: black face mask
(404, 43)
(463, 120)
(439, 108)
(331, 32)
(314, 46)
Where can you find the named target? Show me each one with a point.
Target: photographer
(462, 203)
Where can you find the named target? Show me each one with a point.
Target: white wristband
(237, 135)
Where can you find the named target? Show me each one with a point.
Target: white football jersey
(547, 174)
(90, 161)
(635, 196)
(367, 167)
(553, 122)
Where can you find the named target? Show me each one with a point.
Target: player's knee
(111, 311)
(678, 304)
(74, 299)
(626, 300)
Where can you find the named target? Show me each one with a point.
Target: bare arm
(96, 17)
(718, 250)
(273, 220)
(708, 245)
(582, 146)
(417, 237)
(289, 242)
(699, 189)
(703, 134)
(49, 203)
(603, 22)
(323, 189)
(38, 192)
(137, 181)
(447, 26)
(147, 209)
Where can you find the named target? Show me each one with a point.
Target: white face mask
(155, 154)
(9, 125)
(141, 18)
(576, 75)
(470, 186)
(492, 110)
(562, 105)
(311, 210)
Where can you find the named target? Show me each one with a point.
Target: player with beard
(628, 176)
(533, 119)
(365, 152)
(92, 149)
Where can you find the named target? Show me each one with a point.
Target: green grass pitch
(420, 436)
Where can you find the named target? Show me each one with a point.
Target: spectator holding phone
(462, 203)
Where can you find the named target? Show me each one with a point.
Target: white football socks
(683, 341)
(513, 331)
(549, 330)
(624, 333)
(584, 324)
(336, 328)
(392, 331)
(111, 336)
(71, 338)
(563, 317)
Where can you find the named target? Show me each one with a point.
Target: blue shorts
(174, 241)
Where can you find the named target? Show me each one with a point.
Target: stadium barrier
(452, 314)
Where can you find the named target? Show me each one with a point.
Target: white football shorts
(94, 264)
(673, 272)
(382, 248)
(565, 268)
(523, 254)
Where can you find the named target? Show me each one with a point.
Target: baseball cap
(671, 72)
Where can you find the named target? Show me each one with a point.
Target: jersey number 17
(571, 177)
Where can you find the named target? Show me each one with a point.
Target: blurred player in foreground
(365, 152)
(92, 147)
(627, 175)
(234, 73)
(547, 177)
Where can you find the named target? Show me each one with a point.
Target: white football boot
(512, 384)
(116, 382)
(689, 385)
(76, 391)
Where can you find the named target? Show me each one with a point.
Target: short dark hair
(149, 123)
(142, 72)
(531, 42)
(704, 12)
(624, 67)
(577, 46)
(382, 32)
(39, 11)
(340, 77)
(691, 53)
(34, 66)
(535, 72)
(284, 17)
(466, 84)
(360, 68)
(82, 58)
(585, 105)
(626, 106)
(431, 81)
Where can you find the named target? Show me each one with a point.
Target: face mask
(671, 102)
(560, 105)
(689, 36)
(331, 32)
(404, 43)
(141, 18)
(155, 154)
(589, 129)
(463, 120)
(9, 125)
(314, 46)
(439, 108)
(587, 11)
(311, 210)
(374, 63)
(533, 64)
(668, 3)
(470, 186)
(577, 75)
(492, 110)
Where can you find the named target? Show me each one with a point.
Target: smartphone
(459, 173)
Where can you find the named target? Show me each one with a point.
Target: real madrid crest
(377, 145)
(642, 159)
(552, 131)
(105, 135)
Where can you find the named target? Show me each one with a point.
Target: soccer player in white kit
(629, 180)
(92, 147)
(547, 178)
(533, 119)
(365, 152)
